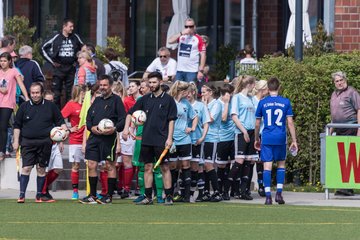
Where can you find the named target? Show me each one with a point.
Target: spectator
(115, 66)
(60, 50)
(163, 64)
(29, 68)
(7, 44)
(100, 69)
(344, 108)
(191, 53)
(86, 73)
(9, 78)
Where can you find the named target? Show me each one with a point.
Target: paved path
(291, 198)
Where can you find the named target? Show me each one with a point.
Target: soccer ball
(104, 124)
(138, 117)
(57, 134)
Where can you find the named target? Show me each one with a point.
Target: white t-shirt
(166, 70)
(190, 47)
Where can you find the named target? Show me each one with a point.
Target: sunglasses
(163, 56)
(191, 26)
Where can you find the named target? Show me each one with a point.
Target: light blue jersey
(256, 101)
(185, 113)
(204, 117)
(214, 127)
(227, 128)
(244, 108)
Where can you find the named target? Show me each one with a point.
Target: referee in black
(33, 123)
(101, 145)
(161, 113)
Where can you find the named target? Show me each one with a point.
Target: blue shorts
(273, 153)
(186, 76)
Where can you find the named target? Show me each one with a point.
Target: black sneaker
(216, 197)
(88, 200)
(125, 194)
(41, 198)
(145, 201)
(169, 200)
(279, 199)
(206, 197)
(246, 197)
(105, 200)
(48, 195)
(225, 196)
(268, 201)
(261, 192)
(178, 198)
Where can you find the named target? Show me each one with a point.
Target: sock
(194, 180)
(103, 181)
(213, 179)
(141, 181)
(128, 175)
(280, 179)
(201, 183)
(111, 184)
(158, 180)
(40, 184)
(50, 178)
(24, 180)
(93, 184)
(259, 170)
(220, 175)
(75, 181)
(234, 177)
(181, 183)
(267, 182)
(251, 173)
(120, 177)
(135, 174)
(225, 180)
(207, 182)
(244, 177)
(148, 192)
(186, 182)
(167, 192)
(174, 178)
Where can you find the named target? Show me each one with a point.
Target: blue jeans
(186, 76)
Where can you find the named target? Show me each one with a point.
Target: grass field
(123, 220)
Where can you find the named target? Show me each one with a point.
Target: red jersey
(129, 102)
(72, 111)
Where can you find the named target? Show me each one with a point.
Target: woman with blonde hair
(72, 111)
(86, 73)
(243, 114)
(182, 140)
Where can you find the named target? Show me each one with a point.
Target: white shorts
(75, 154)
(56, 161)
(127, 147)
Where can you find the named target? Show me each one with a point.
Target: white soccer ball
(105, 124)
(138, 117)
(57, 134)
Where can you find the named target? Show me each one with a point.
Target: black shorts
(183, 153)
(197, 152)
(150, 154)
(36, 151)
(101, 148)
(246, 150)
(225, 152)
(210, 149)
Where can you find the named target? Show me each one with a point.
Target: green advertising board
(342, 162)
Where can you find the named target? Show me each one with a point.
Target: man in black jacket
(60, 50)
(29, 68)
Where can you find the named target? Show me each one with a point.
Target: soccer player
(101, 144)
(71, 111)
(161, 113)
(55, 166)
(225, 149)
(243, 115)
(182, 140)
(35, 119)
(209, 94)
(276, 111)
(197, 141)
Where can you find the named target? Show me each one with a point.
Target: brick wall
(347, 24)
(270, 26)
